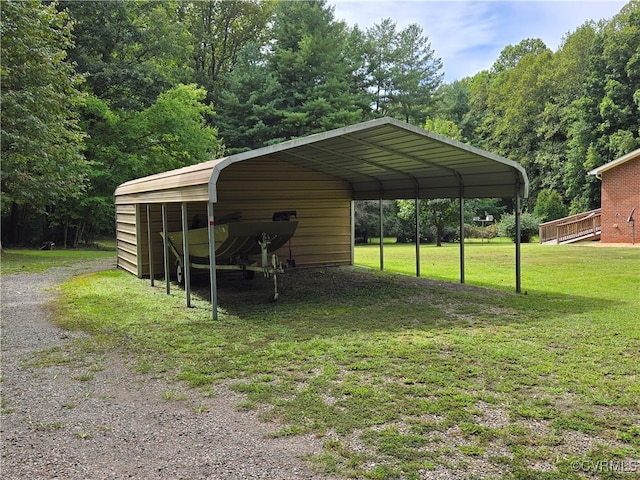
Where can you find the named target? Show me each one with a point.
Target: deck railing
(570, 228)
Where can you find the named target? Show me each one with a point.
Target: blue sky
(468, 36)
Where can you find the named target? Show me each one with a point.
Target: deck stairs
(575, 228)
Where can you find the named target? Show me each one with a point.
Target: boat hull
(233, 240)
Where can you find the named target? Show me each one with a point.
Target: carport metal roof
(383, 158)
(389, 159)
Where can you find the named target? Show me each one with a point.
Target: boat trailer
(236, 244)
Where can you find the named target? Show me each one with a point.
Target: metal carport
(379, 159)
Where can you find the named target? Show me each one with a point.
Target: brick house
(620, 196)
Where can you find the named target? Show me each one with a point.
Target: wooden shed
(319, 177)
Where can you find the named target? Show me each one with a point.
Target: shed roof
(618, 161)
(382, 158)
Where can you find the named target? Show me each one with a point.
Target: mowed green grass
(570, 269)
(401, 377)
(34, 261)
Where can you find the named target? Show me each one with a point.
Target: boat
(238, 244)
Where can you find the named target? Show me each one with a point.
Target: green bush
(528, 226)
(549, 206)
(476, 231)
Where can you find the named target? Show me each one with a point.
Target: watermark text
(606, 466)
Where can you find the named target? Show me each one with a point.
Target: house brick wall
(620, 194)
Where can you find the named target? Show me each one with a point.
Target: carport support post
(212, 261)
(381, 237)
(150, 240)
(518, 256)
(353, 232)
(461, 238)
(165, 232)
(186, 263)
(417, 236)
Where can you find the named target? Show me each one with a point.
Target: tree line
(98, 93)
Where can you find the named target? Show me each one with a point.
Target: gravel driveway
(115, 423)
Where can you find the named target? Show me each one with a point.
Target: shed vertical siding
(259, 188)
(173, 214)
(127, 238)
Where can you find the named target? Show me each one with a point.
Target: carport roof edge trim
(520, 179)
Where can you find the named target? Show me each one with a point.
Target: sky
(468, 35)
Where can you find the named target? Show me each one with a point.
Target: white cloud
(469, 35)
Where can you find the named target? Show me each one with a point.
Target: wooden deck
(576, 228)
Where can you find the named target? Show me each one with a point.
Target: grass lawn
(34, 261)
(564, 269)
(404, 377)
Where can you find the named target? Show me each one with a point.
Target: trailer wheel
(179, 272)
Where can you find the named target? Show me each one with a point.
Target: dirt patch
(104, 421)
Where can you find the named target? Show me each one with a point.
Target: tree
(453, 102)
(171, 133)
(220, 30)
(558, 114)
(132, 50)
(305, 85)
(174, 132)
(605, 120)
(380, 44)
(416, 76)
(367, 219)
(549, 206)
(358, 51)
(403, 70)
(42, 162)
(448, 128)
(511, 55)
(566, 74)
(441, 214)
(307, 60)
(516, 98)
(247, 117)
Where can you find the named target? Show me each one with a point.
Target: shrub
(475, 231)
(528, 226)
(549, 206)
